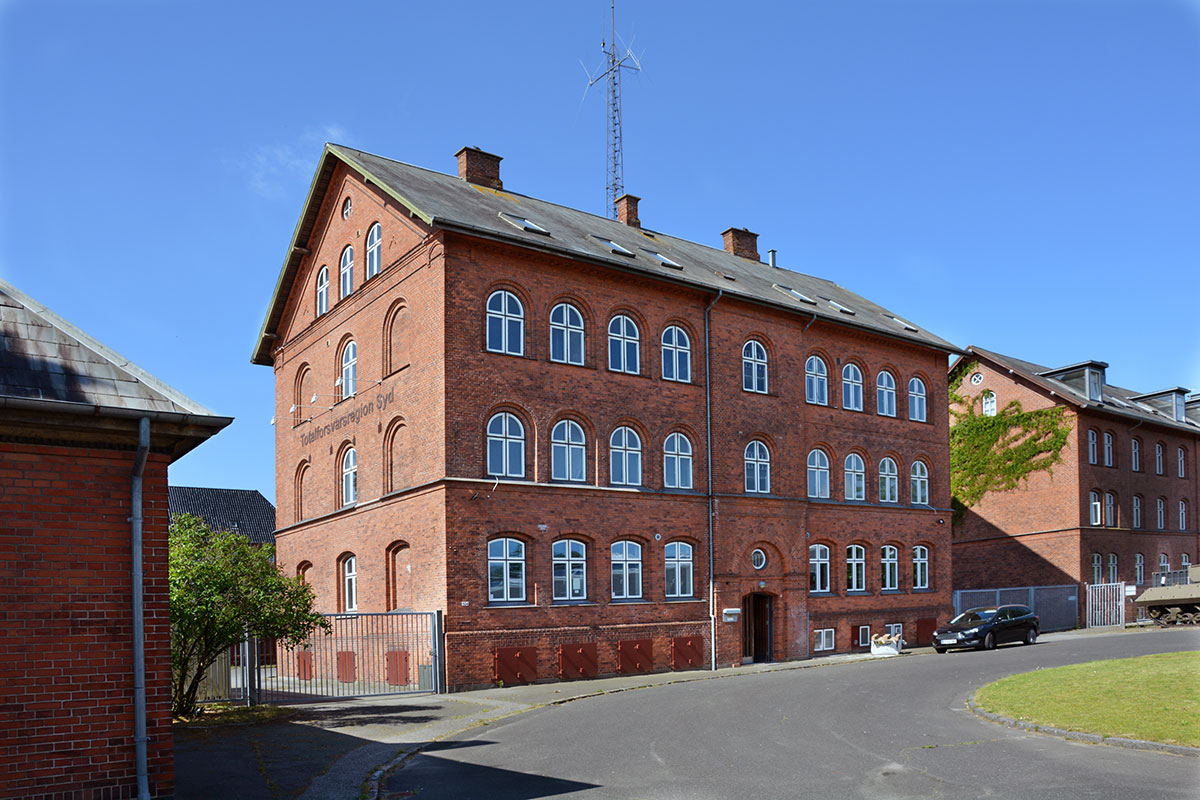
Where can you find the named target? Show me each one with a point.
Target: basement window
(661, 259)
(523, 223)
(792, 293)
(613, 246)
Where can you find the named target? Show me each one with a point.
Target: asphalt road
(893, 728)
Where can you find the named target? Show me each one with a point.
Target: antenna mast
(614, 148)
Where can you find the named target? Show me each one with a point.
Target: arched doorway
(757, 611)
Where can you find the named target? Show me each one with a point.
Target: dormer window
(1180, 407)
(1095, 384)
(1086, 378)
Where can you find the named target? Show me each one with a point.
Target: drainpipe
(139, 622)
(712, 583)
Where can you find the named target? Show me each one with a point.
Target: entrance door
(757, 610)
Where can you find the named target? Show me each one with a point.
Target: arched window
(303, 502)
(302, 396)
(676, 355)
(816, 381)
(1097, 568)
(1183, 515)
(916, 400)
(566, 334)
(889, 481)
(346, 271)
(989, 403)
(567, 452)
(1139, 569)
(505, 324)
(754, 367)
(625, 457)
(398, 574)
(1108, 449)
(855, 477)
(624, 345)
(349, 477)
(304, 571)
(1110, 509)
(852, 388)
(678, 557)
(885, 394)
(677, 462)
(1094, 508)
(1135, 455)
(505, 446)
(1164, 563)
(856, 568)
(1137, 511)
(920, 567)
(374, 250)
(1181, 455)
(1158, 459)
(506, 571)
(818, 474)
(889, 566)
(758, 467)
(322, 291)
(918, 484)
(626, 570)
(1112, 567)
(349, 376)
(397, 339)
(1161, 508)
(349, 572)
(569, 559)
(818, 568)
(1092, 446)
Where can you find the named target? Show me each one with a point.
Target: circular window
(758, 559)
(976, 379)
(347, 207)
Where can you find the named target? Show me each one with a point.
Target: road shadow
(382, 714)
(431, 776)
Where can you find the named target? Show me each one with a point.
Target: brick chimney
(480, 168)
(741, 242)
(627, 210)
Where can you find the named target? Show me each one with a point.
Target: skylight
(839, 306)
(660, 258)
(908, 326)
(792, 293)
(613, 246)
(523, 224)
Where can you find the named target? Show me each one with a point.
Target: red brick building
(1118, 506)
(590, 440)
(85, 441)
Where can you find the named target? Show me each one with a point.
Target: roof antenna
(614, 148)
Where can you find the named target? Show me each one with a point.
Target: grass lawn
(1156, 698)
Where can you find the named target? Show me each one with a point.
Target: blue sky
(1023, 175)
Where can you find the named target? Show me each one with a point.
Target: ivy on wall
(994, 454)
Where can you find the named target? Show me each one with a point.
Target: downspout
(139, 621)
(712, 583)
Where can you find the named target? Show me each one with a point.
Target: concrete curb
(1079, 736)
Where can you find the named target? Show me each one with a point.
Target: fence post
(252, 671)
(439, 653)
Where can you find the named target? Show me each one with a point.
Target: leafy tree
(221, 587)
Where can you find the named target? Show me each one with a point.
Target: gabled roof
(245, 511)
(1113, 400)
(450, 203)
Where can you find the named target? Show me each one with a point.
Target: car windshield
(974, 615)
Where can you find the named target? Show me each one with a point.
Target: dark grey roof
(1113, 400)
(45, 358)
(243, 510)
(446, 201)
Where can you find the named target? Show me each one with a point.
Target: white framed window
(347, 207)
(505, 324)
(1183, 515)
(1112, 567)
(374, 250)
(625, 457)
(626, 570)
(1108, 449)
(852, 388)
(569, 560)
(920, 567)
(758, 467)
(349, 477)
(676, 355)
(506, 570)
(322, 291)
(1135, 455)
(885, 394)
(818, 568)
(1097, 568)
(1139, 569)
(1110, 509)
(889, 481)
(816, 381)
(505, 446)
(823, 639)
(350, 583)
(856, 568)
(818, 474)
(1092, 446)
(624, 345)
(894, 629)
(1185, 561)
(1164, 563)
(989, 403)
(918, 484)
(1158, 459)
(567, 452)
(758, 558)
(1161, 508)
(855, 476)
(916, 400)
(1137, 511)
(349, 377)
(889, 564)
(864, 635)
(754, 367)
(677, 462)
(1181, 456)
(678, 557)
(566, 334)
(1094, 508)
(346, 271)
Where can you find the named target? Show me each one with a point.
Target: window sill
(684, 600)
(857, 593)
(564, 603)
(630, 601)
(514, 604)
(926, 590)
(819, 595)
(891, 591)
(571, 364)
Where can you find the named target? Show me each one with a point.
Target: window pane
(496, 580)
(516, 581)
(635, 579)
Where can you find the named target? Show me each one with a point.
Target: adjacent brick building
(593, 446)
(71, 421)
(1119, 505)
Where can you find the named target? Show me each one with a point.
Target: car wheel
(1031, 636)
(989, 641)
(939, 650)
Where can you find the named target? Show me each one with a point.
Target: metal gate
(1057, 607)
(1105, 605)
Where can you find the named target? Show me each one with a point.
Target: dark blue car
(984, 628)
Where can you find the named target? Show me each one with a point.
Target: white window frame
(350, 583)
(676, 355)
(626, 570)
(1159, 468)
(889, 480)
(1139, 569)
(1135, 455)
(677, 461)
(989, 403)
(569, 562)
(864, 635)
(894, 629)
(1137, 511)
(918, 484)
(349, 477)
(624, 345)
(1112, 567)
(679, 570)
(1185, 561)
(568, 452)
(818, 568)
(920, 567)
(1183, 515)
(816, 381)
(505, 441)
(818, 474)
(889, 568)
(1110, 509)
(1108, 449)
(505, 323)
(916, 400)
(625, 457)
(1094, 508)
(852, 387)
(323, 291)
(1097, 568)
(754, 367)
(374, 250)
(823, 639)
(346, 272)
(1092, 445)
(1181, 456)
(854, 477)
(757, 459)
(856, 568)
(349, 377)
(508, 556)
(1161, 516)
(885, 394)
(566, 335)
